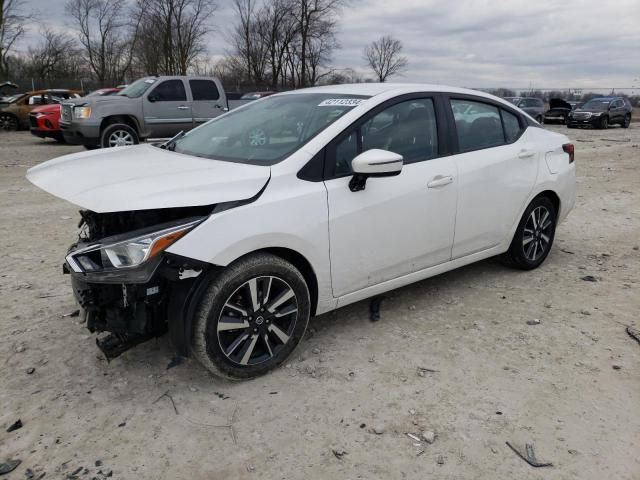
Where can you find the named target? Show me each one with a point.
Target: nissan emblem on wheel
(230, 237)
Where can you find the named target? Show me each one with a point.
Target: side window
(478, 125)
(169, 91)
(37, 100)
(511, 126)
(204, 90)
(407, 128)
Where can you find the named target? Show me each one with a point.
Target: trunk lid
(145, 177)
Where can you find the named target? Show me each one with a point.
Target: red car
(44, 121)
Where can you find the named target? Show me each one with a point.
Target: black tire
(604, 123)
(223, 350)
(521, 254)
(9, 122)
(91, 147)
(627, 121)
(118, 134)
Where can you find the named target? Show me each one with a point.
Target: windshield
(137, 88)
(265, 132)
(596, 105)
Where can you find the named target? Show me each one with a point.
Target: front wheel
(251, 317)
(534, 236)
(604, 123)
(118, 135)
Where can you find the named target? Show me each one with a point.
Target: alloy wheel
(8, 122)
(536, 237)
(120, 138)
(257, 320)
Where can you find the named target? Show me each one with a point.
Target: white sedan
(232, 236)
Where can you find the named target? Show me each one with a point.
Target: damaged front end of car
(128, 284)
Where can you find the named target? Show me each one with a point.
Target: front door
(397, 225)
(167, 110)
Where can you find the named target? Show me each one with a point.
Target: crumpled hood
(143, 177)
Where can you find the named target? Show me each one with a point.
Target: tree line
(276, 44)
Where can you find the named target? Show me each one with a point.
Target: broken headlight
(118, 253)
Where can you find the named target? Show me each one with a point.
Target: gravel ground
(353, 391)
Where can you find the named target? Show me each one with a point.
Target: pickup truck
(151, 107)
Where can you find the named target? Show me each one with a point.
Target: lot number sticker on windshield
(341, 102)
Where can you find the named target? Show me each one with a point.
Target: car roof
(373, 89)
(53, 90)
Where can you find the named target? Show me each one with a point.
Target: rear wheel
(8, 122)
(118, 135)
(251, 317)
(627, 121)
(534, 236)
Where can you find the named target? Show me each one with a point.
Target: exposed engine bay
(133, 303)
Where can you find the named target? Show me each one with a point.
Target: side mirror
(374, 163)
(152, 97)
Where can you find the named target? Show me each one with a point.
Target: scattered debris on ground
(529, 456)
(15, 426)
(9, 466)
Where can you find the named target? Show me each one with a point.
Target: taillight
(570, 148)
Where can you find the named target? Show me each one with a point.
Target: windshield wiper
(171, 143)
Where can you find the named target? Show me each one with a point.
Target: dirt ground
(352, 392)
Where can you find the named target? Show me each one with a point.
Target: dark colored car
(530, 105)
(601, 112)
(558, 112)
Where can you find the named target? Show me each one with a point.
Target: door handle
(183, 107)
(524, 153)
(440, 181)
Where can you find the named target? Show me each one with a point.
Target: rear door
(208, 100)
(166, 109)
(396, 225)
(497, 169)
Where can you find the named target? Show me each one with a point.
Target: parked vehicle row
(150, 107)
(598, 112)
(231, 236)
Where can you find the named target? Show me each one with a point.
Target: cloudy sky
(476, 43)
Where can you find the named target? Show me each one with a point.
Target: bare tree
(384, 57)
(315, 18)
(50, 58)
(172, 34)
(106, 35)
(13, 22)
